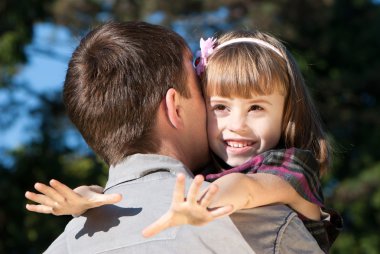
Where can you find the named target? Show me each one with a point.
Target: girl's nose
(237, 122)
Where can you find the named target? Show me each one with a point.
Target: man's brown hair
(114, 84)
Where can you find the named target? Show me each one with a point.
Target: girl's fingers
(192, 195)
(96, 188)
(39, 208)
(62, 189)
(157, 226)
(179, 189)
(221, 211)
(50, 192)
(39, 198)
(209, 195)
(104, 199)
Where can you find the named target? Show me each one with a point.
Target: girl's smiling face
(240, 128)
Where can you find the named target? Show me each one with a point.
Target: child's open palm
(191, 210)
(58, 199)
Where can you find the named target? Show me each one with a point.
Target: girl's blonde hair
(244, 69)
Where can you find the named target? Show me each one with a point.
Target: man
(131, 91)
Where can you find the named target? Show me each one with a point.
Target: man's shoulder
(275, 229)
(220, 236)
(114, 228)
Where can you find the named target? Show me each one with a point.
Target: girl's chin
(234, 162)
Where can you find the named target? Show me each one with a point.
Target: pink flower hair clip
(207, 47)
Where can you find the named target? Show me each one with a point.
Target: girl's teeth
(238, 145)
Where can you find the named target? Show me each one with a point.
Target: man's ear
(172, 102)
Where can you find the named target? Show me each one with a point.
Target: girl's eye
(219, 107)
(255, 108)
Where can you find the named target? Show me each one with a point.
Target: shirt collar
(138, 165)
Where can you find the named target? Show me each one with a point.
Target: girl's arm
(252, 190)
(58, 199)
(193, 210)
(226, 195)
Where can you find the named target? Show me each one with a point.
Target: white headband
(207, 48)
(252, 40)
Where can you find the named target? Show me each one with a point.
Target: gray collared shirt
(146, 182)
(275, 229)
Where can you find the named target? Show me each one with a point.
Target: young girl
(265, 134)
(264, 131)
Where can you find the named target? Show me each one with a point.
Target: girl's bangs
(239, 75)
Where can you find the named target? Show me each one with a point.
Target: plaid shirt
(300, 169)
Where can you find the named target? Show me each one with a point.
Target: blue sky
(43, 72)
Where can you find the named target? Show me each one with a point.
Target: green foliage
(47, 157)
(359, 199)
(336, 43)
(22, 230)
(16, 30)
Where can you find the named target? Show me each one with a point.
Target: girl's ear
(172, 102)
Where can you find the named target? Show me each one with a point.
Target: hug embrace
(241, 118)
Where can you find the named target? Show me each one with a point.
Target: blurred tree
(16, 30)
(336, 43)
(44, 158)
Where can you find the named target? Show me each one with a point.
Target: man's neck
(175, 151)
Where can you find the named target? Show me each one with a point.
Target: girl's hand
(191, 210)
(58, 199)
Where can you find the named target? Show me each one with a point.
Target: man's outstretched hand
(192, 210)
(58, 199)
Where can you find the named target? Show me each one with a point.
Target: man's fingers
(192, 195)
(179, 189)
